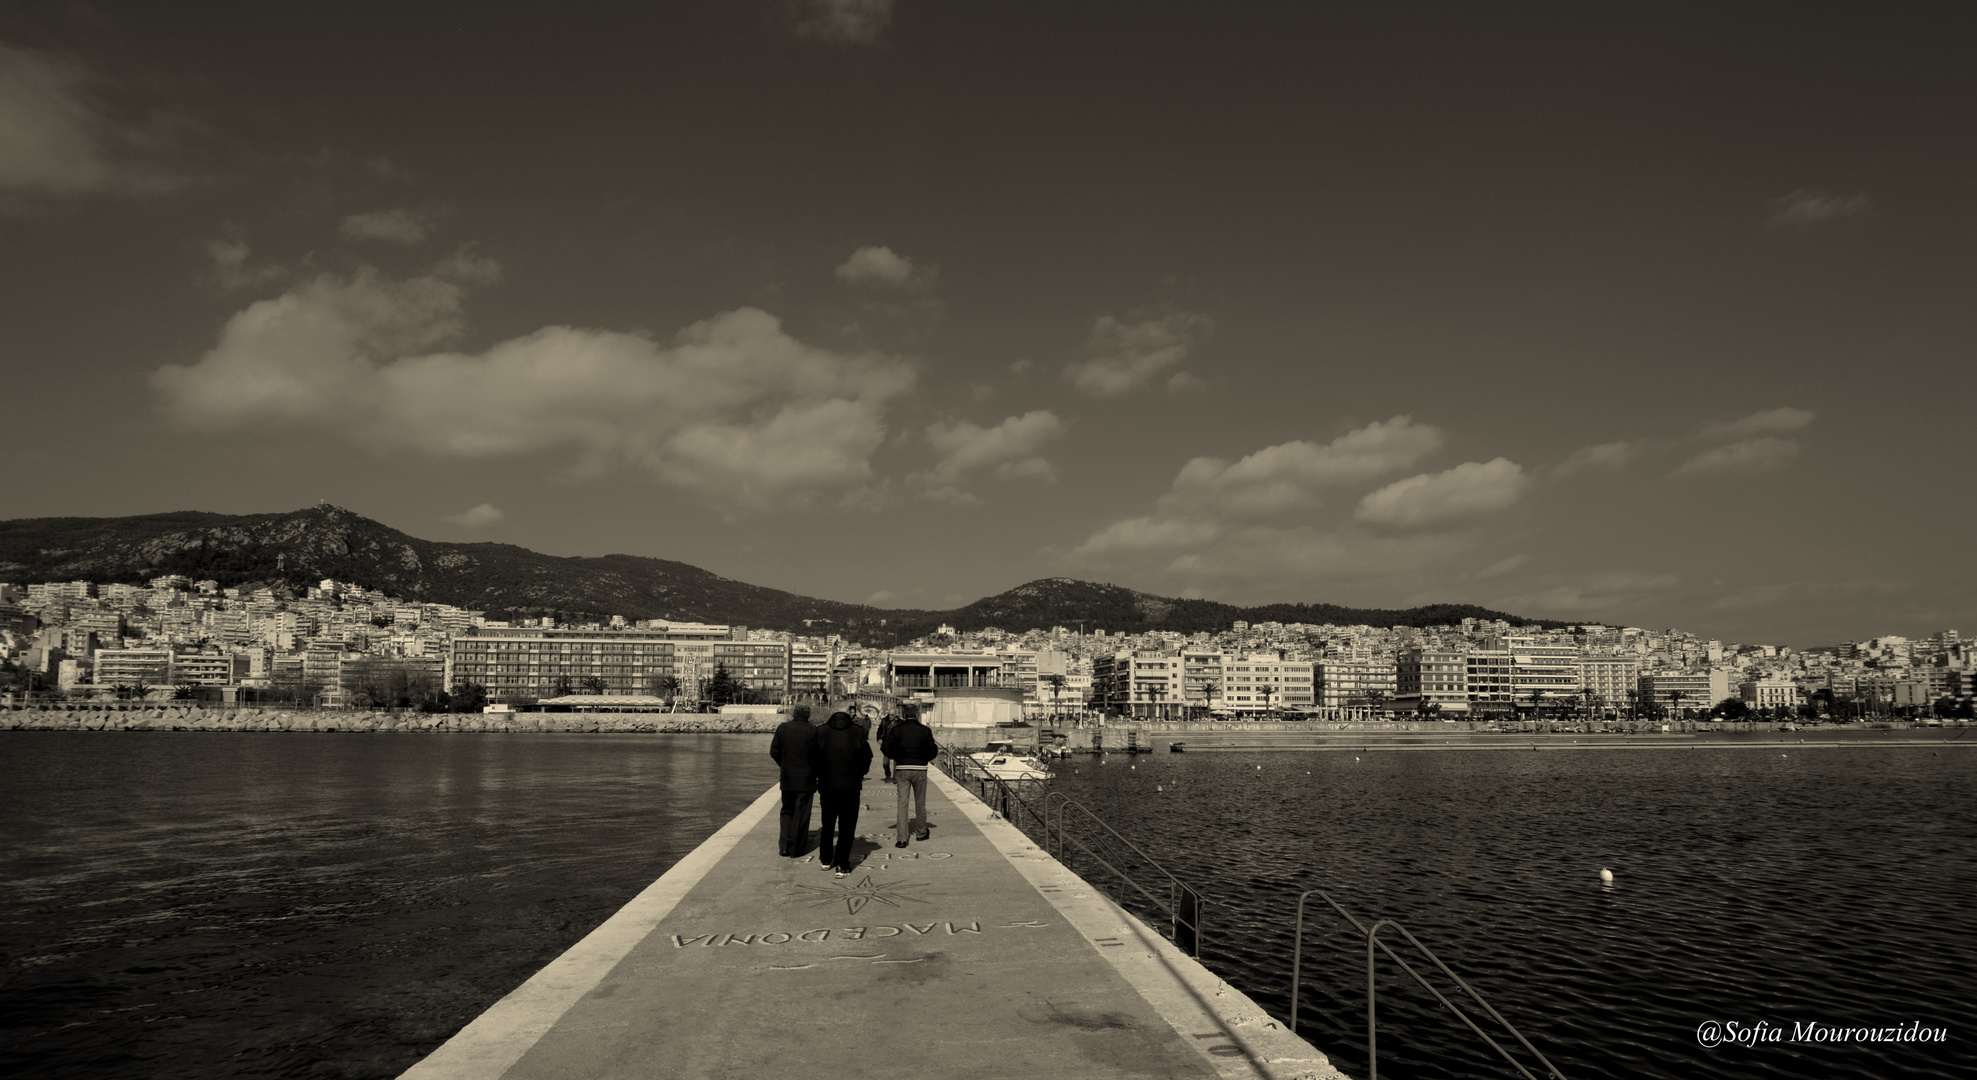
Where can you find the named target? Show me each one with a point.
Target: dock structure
(972, 954)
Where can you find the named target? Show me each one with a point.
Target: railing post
(1372, 995)
(1187, 927)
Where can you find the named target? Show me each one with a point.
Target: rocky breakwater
(357, 721)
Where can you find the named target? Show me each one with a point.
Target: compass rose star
(855, 897)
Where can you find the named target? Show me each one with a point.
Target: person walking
(840, 760)
(911, 747)
(885, 728)
(793, 747)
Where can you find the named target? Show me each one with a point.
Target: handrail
(1180, 892)
(1372, 935)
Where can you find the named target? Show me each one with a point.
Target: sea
(179, 905)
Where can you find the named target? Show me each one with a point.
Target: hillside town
(339, 645)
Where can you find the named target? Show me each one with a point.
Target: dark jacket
(910, 743)
(885, 728)
(792, 746)
(842, 756)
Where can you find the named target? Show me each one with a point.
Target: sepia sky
(1661, 316)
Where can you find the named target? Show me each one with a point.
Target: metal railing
(1183, 905)
(1372, 936)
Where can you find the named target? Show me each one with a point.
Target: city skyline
(1655, 319)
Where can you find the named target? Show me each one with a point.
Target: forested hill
(301, 548)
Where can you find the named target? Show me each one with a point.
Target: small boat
(1175, 748)
(1002, 762)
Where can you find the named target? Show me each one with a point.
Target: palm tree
(594, 684)
(1056, 684)
(1674, 704)
(669, 688)
(1208, 691)
(1267, 691)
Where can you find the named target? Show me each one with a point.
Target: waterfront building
(1342, 683)
(1139, 683)
(1425, 677)
(1613, 681)
(1204, 679)
(1265, 682)
(1487, 665)
(1543, 670)
(208, 668)
(1769, 693)
(809, 671)
(523, 661)
(1698, 690)
(152, 667)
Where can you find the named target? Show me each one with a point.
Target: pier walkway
(970, 955)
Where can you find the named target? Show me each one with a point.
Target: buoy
(1606, 875)
(1157, 787)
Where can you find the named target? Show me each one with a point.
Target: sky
(1659, 315)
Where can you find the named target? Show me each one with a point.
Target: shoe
(923, 835)
(844, 871)
(899, 843)
(825, 866)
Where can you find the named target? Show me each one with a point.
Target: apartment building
(1769, 693)
(1613, 681)
(1426, 677)
(1543, 671)
(1147, 683)
(1353, 683)
(809, 671)
(515, 662)
(152, 667)
(1490, 671)
(1696, 690)
(1262, 682)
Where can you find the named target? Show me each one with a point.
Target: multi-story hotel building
(1438, 677)
(1699, 690)
(151, 667)
(1769, 693)
(528, 661)
(1491, 677)
(1353, 683)
(1543, 671)
(1261, 682)
(1613, 681)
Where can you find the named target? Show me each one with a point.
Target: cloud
(1128, 355)
(49, 130)
(392, 226)
(1746, 456)
(483, 516)
(1288, 476)
(1022, 367)
(231, 269)
(1184, 383)
(1434, 499)
(1606, 593)
(882, 598)
(732, 406)
(842, 22)
(1808, 206)
(1503, 566)
(1613, 455)
(1008, 451)
(884, 268)
(1763, 422)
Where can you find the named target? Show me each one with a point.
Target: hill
(297, 549)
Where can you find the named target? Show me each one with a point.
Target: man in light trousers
(911, 747)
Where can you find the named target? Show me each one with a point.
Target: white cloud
(732, 406)
(392, 226)
(1809, 206)
(884, 268)
(842, 22)
(1763, 422)
(882, 598)
(483, 516)
(49, 131)
(1434, 499)
(1287, 476)
(1184, 383)
(1128, 355)
(1008, 451)
(1746, 456)
(231, 269)
(1613, 455)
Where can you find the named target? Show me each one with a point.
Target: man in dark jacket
(792, 747)
(885, 729)
(842, 757)
(911, 747)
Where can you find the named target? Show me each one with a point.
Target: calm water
(1828, 885)
(200, 905)
(203, 905)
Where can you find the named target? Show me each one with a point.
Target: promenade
(970, 955)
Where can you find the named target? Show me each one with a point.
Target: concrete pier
(972, 954)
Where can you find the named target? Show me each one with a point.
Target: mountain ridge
(299, 548)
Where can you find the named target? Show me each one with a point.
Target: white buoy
(1605, 876)
(1157, 787)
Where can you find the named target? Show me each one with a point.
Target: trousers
(796, 823)
(840, 825)
(910, 783)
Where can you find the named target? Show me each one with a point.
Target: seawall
(158, 718)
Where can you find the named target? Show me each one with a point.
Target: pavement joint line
(1186, 995)
(499, 1037)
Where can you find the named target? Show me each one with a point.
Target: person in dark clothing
(911, 747)
(842, 757)
(885, 729)
(792, 747)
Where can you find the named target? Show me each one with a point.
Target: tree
(468, 697)
(1056, 683)
(1732, 709)
(565, 686)
(1208, 691)
(1675, 704)
(722, 688)
(594, 684)
(184, 691)
(1269, 691)
(668, 687)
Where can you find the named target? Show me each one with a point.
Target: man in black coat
(793, 746)
(842, 757)
(911, 746)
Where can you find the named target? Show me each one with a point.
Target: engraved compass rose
(855, 897)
